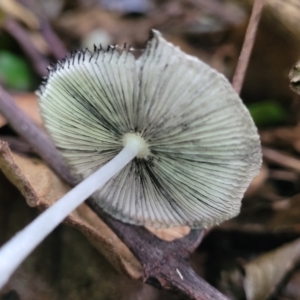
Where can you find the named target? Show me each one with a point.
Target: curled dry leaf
(264, 274)
(295, 78)
(28, 103)
(170, 234)
(41, 187)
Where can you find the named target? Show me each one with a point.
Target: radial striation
(203, 149)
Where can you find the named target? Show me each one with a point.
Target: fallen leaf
(170, 234)
(28, 103)
(265, 273)
(65, 265)
(41, 187)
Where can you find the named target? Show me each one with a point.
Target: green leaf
(14, 71)
(267, 113)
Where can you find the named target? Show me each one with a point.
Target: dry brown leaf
(170, 234)
(28, 103)
(262, 275)
(41, 187)
(17, 11)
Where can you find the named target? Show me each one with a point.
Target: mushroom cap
(204, 148)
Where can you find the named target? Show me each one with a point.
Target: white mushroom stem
(23, 243)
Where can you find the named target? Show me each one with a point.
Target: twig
(243, 61)
(40, 63)
(38, 139)
(57, 48)
(284, 175)
(281, 159)
(160, 259)
(17, 144)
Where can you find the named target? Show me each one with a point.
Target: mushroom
(160, 141)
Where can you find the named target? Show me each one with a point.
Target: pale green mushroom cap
(203, 149)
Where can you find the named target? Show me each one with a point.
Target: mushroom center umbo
(136, 139)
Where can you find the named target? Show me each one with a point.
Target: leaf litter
(263, 240)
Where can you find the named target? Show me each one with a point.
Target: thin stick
(281, 159)
(40, 63)
(26, 128)
(19, 247)
(239, 75)
(57, 48)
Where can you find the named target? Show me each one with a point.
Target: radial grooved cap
(203, 149)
